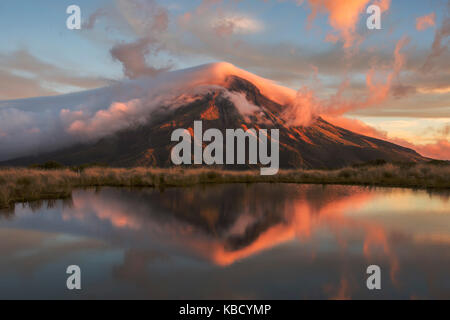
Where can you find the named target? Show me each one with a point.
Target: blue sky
(39, 26)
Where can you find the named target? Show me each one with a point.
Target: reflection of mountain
(225, 223)
(222, 223)
(240, 241)
(232, 215)
(235, 103)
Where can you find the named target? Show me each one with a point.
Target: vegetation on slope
(20, 184)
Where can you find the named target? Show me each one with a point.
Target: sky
(392, 83)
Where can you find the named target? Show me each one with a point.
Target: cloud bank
(307, 105)
(23, 75)
(31, 126)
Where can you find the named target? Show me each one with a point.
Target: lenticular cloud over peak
(36, 125)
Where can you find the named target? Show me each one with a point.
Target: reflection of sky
(304, 242)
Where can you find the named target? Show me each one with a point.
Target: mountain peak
(130, 122)
(220, 73)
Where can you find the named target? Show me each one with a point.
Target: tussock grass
(20, 185)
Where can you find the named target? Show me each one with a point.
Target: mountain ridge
(318, 145)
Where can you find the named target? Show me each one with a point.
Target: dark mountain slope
(320, 145)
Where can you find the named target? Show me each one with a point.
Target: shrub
(19, 184)
(345, 173)
(49, 165)
(372, 163)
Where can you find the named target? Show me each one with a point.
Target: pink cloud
(440, 149)
(343, 16)
(307, 105)
(425, 22)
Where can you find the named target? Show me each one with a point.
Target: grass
(21, 185)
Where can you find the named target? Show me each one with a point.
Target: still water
(259, 241)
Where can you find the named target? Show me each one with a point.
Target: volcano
(220, 95)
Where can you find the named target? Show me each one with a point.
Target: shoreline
(23, 185)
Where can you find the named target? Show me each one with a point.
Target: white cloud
(44, 124)
(236, 24)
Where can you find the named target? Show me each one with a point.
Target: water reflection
(230, 241)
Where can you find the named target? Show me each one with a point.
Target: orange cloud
(425, 22)
(118, 116)
(439, 90)
(343, 16)
(356, 125)
(437, 150)
(306, 105)
(439, 45)
(379, 92)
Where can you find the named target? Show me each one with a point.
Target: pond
(233, 241)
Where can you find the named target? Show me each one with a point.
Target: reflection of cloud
(282, 218)
(31, 250)
(135, 265)
(340, 293)
(443, 239)
(299, 219)
(302, 219)
(376, 237)
(107, 210)
(326, 236)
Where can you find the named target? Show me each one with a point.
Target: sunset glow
(318, 55)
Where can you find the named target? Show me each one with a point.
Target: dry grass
(19, 185)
